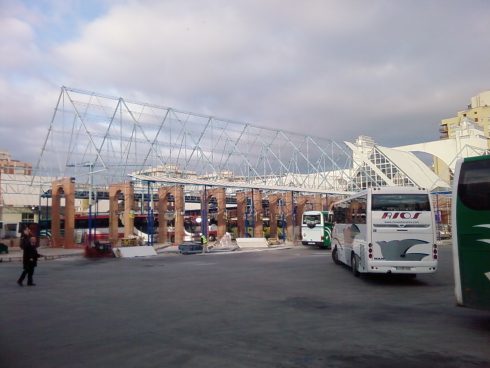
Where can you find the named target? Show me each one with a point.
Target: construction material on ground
(252, 243)
(98, 249)
(131, 241)
(131, 252)
(190, 247)
(225, 241)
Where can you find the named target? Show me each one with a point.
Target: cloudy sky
(337, 69)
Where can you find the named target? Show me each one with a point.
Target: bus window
(474, 185)
(358, 210)
(400, 202)
(340, 213)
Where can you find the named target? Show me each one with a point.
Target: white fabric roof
(414, 168)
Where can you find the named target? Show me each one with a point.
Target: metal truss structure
(382, 170)
(102, 140)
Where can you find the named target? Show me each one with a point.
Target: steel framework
(115, 137)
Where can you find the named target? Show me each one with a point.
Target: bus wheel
(335, 256)
(355, 266)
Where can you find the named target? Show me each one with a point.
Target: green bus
(471, 232)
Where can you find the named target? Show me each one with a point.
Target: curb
(44, 258)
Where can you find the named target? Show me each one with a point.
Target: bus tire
(355, 265)
(335, 256)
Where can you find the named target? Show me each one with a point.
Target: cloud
(337, 68)
(17, 45)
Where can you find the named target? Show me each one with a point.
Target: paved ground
(283, 308)
(15, 254)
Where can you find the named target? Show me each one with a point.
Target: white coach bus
(385, 230)
(315, 229)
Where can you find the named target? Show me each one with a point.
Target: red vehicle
(100, 228)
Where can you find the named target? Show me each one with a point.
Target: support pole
(204, 213)
(252, 210)
(90, 226)
(149, 217)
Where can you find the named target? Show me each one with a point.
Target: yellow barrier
(129, 242)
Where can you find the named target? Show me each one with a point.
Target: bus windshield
(400, 202)
(312, 220)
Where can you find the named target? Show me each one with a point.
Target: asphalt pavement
(283, 308)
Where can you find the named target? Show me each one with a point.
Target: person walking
(204, 243)
(29, 261)
(25, 238)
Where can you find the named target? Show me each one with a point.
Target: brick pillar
(300, 208)
(288, 197)
(66, 186)
(55, 216)
(162, 209)
(241, 200)
(113, 217)
(273, 199)
(316, 200)
(69, 188)
(179, 205)
(220, 195)
(128, 192)
(332, 199)
(259, 214)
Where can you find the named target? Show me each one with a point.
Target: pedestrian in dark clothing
(29, 261)
(25, 238)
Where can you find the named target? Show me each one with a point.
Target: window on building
(476, 120)
(27, 217)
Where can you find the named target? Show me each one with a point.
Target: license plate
(403, 268)
(311, 243)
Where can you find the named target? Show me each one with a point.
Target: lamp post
(149, 217)
(204, 213)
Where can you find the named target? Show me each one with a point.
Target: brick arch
(287, 197)
(220, 195)
(66, 187)
(301, 201)
(273, 201)
(259, 212)
(179, 207)
(128, 192)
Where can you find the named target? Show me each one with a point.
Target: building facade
(476, 116)
(477, 112)
(19, 201)
(10, 166)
